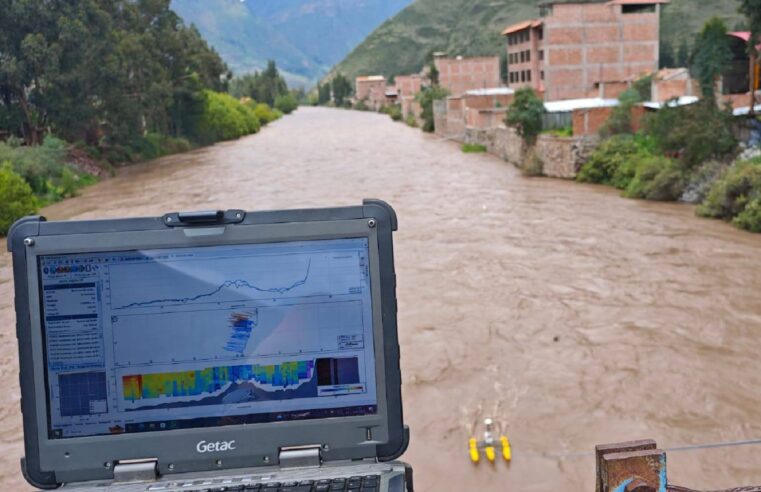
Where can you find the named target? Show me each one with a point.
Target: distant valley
(305, 37)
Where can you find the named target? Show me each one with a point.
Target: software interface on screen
(195, 337)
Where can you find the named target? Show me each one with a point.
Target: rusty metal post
(638, 466)
(610, 449)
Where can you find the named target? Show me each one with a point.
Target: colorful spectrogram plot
(212, 380)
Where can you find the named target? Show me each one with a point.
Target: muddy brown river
(570, 315)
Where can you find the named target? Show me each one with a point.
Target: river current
(571, 316)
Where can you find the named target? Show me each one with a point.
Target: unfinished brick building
(372, 90)
(459, 75)
(578, 50)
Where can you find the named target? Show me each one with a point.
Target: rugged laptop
(212, 351)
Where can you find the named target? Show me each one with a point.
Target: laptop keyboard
(366, 483)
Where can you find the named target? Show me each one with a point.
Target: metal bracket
(136, 470)
(300, 457)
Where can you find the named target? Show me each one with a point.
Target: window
(542, 75)
(541, 55)
(528, 76)
(540, 33)
(523, 76)
(642, 8)
(528, 56)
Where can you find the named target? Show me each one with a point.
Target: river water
(568, 314)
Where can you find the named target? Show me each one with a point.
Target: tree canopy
(711, 55)
(265, 86)
(103, 71)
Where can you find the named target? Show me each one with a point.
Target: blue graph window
(82, 394)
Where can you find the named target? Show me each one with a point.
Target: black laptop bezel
(49, 463)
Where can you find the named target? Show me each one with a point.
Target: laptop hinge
(136, 470)
(300, 457)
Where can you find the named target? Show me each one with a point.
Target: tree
(265, 86)
(752, 9)
(620, 120)
(667, 58)
(426, 97)
(104, 71)
(323, 93)
(342, 89)
(683, 55)
(711, 55)
(525, 114)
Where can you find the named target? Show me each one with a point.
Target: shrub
(655, 178)
(750, 218)
(614, 162)
(426, 97)
(735, 196)
(37, 165)
(224, 118)
(362, 106)
(16, 198)
(470, 148)
(286, 103)
(265, 113)
(394, 111)
(566, 131)
(411, 121)
(620, 119)
(694, 133)
(525, 114)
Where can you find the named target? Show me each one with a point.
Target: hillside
(305, 37)
(473, 27)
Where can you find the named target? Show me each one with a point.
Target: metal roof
(573, 104)
(495, 91)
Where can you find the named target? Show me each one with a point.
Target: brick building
(408, 85)
(578, 50)
(459, 75)
(372, 90)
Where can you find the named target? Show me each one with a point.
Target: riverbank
(655, 310)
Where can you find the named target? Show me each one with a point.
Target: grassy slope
(472, 27)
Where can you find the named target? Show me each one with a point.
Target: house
(582, 50)
(459, 75)
(672, 83)
(372, 90)
(736, 83)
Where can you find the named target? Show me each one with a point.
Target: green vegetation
(426, 97)
(16, 198)
(393, 110)
(342, 89)
(266, 86)
(411, 121)
(224, 118)
(44, 169)
(566, 131)
(620, 120)
(711, 56)
(115, 82)
(473, 27)
(286, 103)
(470, 148)
(736, 196)
(659, 162)
(525, 114)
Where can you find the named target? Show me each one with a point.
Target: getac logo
(211, 447)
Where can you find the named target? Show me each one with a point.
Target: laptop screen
(156, 340)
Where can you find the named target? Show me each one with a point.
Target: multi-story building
(578, 50)
(408, 85)
(371, 89)
(459, 75)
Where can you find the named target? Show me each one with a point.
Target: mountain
(304, 37)
(472, 27)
